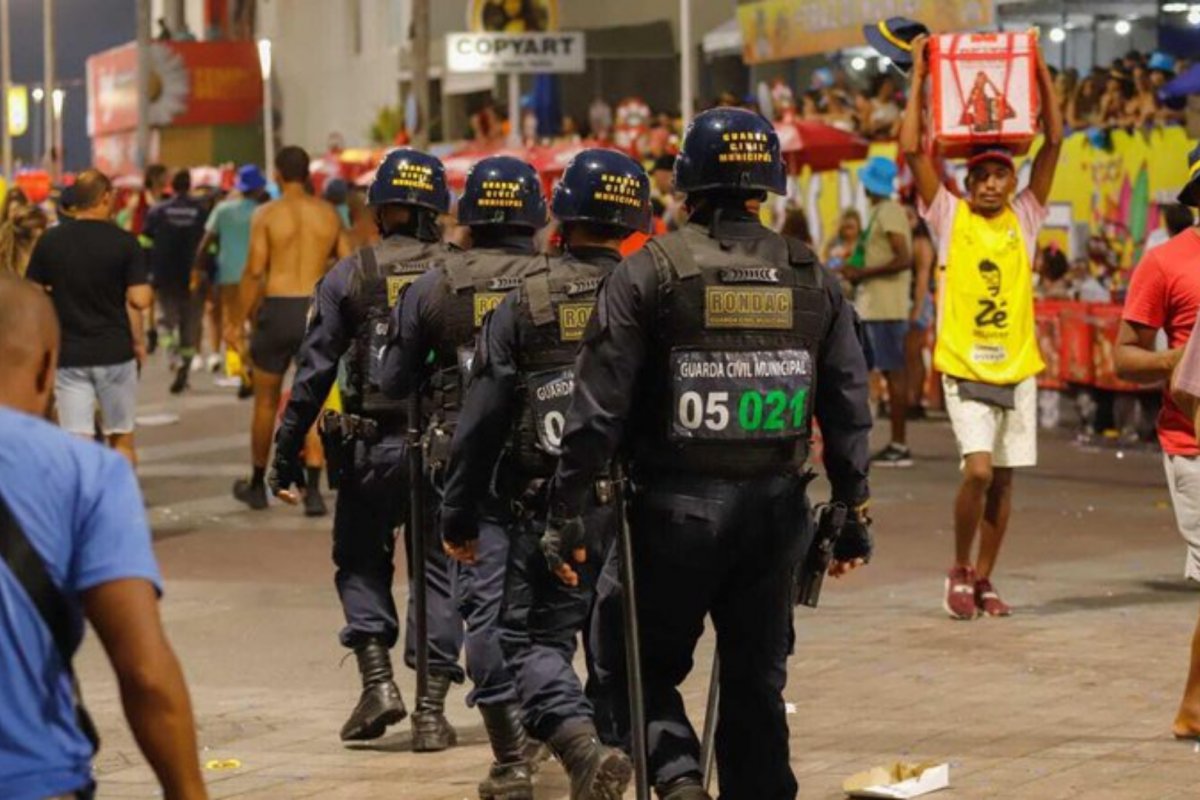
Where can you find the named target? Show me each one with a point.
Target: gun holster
(339, 435)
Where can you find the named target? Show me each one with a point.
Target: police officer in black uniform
(508, 438)
(433, 330)
(349, 318)
(707, 354)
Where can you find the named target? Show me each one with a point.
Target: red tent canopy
(818, 146)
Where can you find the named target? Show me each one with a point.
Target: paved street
(1070, 698)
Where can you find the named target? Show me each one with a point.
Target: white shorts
(79, 390)
(1010, 436)
(1183, 479)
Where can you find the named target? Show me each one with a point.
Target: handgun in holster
(830, 520)
(435, 446)
(339, 434)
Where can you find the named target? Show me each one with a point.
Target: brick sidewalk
(1070, 698)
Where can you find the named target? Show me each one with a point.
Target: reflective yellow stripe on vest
(986, 329)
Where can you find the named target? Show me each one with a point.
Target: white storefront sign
(515, 52)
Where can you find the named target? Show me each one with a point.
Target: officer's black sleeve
(843, 405)
(483, 423)
(325, 341)
(403, 366)
(606, 371)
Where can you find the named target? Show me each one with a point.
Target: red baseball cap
(991, 153)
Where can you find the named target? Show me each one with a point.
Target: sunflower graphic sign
(512, 16)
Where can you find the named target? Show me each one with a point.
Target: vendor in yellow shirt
(986, 344)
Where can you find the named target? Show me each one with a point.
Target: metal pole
(35, 118)
(420, 72)
(143, 83)
(266, 58)
(59, 100)
(708, 745)
(418, 542)
(514, 109)
(6, 148)
(48, 55)
(686, 101)
(633, 645)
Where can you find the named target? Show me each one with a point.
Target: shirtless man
(293, 241)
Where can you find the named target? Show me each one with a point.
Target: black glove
(563, 536)
(287, 470)
(855, 540)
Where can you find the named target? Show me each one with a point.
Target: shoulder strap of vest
(672, 252)
(458, 272)
(537, 292)
(801, 257)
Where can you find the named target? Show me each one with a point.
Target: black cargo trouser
(705, 546)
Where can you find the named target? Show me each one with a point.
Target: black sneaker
(181, 379)
(894, 455)
(252, 495)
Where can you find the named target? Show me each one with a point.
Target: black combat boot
(597, 772)
(685, 788)
(431, 731)
(380, 704)
(509, 777)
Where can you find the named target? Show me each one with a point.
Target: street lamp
(1122, 27)
(264, 62)
(57, 98)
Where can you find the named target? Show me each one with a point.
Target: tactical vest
(733, 356)
(382, 272)
(476, 282)
(555, 306)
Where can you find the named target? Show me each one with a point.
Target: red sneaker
(960, 593)
(989, 601)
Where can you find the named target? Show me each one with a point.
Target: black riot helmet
(410, 177)
(604, 187)
(502, 190)
(732, 149)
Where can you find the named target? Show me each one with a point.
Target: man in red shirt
(1165, 295)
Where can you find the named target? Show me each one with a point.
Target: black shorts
(278, 332)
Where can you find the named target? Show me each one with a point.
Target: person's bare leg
(897, 388)
(995, 520)
(314, 454)
(914, 351)
(215, 325)
(1187, 721)
(123, 444)
(970, 503)
(267, 391)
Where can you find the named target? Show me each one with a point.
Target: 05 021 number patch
(740, 395)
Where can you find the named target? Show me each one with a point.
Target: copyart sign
(515, 52)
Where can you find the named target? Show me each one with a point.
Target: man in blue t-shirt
(79, 507)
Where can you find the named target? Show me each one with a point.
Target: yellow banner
(1112, 191)
(17, 110)
(778, 29)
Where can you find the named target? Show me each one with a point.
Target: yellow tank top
(986, 329)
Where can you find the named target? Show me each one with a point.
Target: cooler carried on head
(984, 92)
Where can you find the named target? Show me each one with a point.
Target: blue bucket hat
(893, 38)
(878, 176)
(1190, 196)
(249, 178)
(1161, 62)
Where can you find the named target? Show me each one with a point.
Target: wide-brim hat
(878, 176)
(1190, 196)
(893, 37)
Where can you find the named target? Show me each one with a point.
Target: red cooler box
(984, 91)
(1048, 314)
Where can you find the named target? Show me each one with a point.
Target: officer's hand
(563, 544)
(287, 471)
(465, 553)
(853, 547)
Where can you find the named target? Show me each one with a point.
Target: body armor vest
(555, 306)
(733, 357)
(476, 282)
(382, 272)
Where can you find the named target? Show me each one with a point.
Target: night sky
(84, 27)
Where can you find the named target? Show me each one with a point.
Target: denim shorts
(78, 390)
(885, 344)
